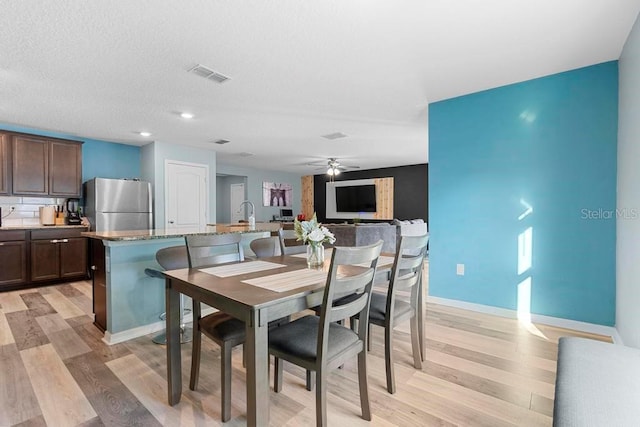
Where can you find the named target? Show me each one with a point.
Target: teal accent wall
(538, 156)
(102, 159)
(109, 160)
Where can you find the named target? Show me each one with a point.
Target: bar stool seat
(172, 258)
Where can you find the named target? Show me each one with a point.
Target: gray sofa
(369, 233)
(597, 384)
(364, 234)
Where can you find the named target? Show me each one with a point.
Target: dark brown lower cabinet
(45, 260)
(42, 256)
(73, 257)
(99, 277)
(13, 258)
(58, 254)
(63, 258)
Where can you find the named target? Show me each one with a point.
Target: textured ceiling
(299, 69)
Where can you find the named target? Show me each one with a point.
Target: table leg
(257, 354)
(174, 364)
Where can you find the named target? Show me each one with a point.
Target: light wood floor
(481, 370)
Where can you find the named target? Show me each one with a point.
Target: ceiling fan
(333, 166)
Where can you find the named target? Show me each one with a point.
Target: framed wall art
(276, 194)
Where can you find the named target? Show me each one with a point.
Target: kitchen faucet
(252, 214)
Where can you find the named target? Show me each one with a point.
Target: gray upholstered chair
(171, 258)
(223, 329)
(387, 310)
(265, 246)
(318, 343)
(288, 243)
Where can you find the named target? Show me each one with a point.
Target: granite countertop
(133, 235)
(40, 227)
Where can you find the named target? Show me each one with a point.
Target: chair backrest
(288, 243)
(264, 246)
(357, 268)
(406, 273)
(214, 249)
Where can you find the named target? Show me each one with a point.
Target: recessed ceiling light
(186, 115)
(145, 134)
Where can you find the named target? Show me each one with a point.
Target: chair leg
(195, 358)
(321, 398)
(363, 382)
(244, 357)
(310, 380)
(225, 376)
(277, 374)
(369, 337)
(415, 342)
(388, 358)
(421, 308)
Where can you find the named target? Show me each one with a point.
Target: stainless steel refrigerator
(118, 204)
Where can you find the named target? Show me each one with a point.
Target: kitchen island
(126, 302)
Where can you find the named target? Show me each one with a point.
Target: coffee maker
(73, 212)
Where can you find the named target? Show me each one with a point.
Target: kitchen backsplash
(26, 209)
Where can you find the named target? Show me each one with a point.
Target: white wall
(255, 178)
(153, 158)
(223, 184)
(628, 229)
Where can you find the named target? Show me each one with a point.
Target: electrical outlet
(460, 269)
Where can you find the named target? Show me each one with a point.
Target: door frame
(244, 197)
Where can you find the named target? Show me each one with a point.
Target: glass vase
(315, 255)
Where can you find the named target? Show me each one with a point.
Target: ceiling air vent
(335, 135)
(221, 141)
(208, 73)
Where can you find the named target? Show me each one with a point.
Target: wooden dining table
(255, 291)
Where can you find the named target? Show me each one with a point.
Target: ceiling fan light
(336, 171)
(330, 171)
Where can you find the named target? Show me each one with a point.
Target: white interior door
(186, 196)
(237, 197)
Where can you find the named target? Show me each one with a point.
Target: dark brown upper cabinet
(65, 169)
(5, 165)
(45, 166)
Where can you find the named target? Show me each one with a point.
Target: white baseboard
(591, 328)
(129, 334)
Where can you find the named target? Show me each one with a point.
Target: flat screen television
(356, 198)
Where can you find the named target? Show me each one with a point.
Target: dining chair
(319, 343)
(265, 246)
(387, 310)
(221, 328)
(171, 258)
(288, 244)
(268, 247)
